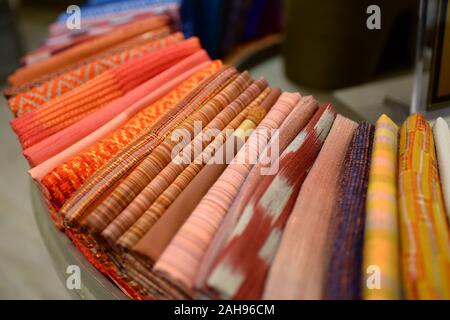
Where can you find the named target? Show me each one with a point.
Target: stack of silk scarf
(178, 176)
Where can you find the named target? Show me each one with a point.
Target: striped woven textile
(10, 92)
(124, 229)
(291, 126)
(382, 234)
(113, 115)
(39, 95)
(68, 177)
(425, 238)
(344, 273)
(187, 190)
(241, 267)
(148, 169)
(77, 53)
(300, 266)
(177, 169)
(180, 261)
(76, 104)
(114, 170)
(441, 134)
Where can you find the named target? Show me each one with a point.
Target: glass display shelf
(94, 285)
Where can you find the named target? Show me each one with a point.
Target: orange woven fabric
(10, 92)
(76, 104)
(66, 178)
(85, 49)
(38, 95)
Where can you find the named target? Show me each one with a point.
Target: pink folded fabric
(295, 122)
(241, 267)
(181, 259)
(40, 171)
(133, 100)
(63, 111)
(299, 269)
(171, 173)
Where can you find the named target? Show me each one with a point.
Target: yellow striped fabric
(381, 262)
(425, 239)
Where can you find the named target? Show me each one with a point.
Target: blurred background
(322, 48)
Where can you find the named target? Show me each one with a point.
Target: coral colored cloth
(441, 134)
(148, 169)
(132, 102)
(382, 234)
(143, 133)
(299, 268)
(171, 175)
(180, 261)
(291, 126)
(424, 229)
(345, 269)
(241, 267)
(153, 243)
(85, 49)
(37, 96)
(126, 45)
(186, 183)
(62, 181)
(76, 104)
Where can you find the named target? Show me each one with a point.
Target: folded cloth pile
(178, 176)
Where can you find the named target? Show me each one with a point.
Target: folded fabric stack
(180, 177)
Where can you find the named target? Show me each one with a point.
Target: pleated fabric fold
(151, 166)
(37, 96)
(291, 126)
(424, 229)
(180, 261)
(112, 84)
(62, 181)
(99, 184)
(173, 207)
(86, 49)
(173, 173)
(241, 267)
(10, 92)
(132, 102)
(300, 265)
(381, 255)
(344, 272)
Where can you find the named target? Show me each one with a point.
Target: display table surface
(63, 253)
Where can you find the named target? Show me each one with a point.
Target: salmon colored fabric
(118, 166)
(294, 123)
(148, 169)
(181, 259)
(301, 262)
(198, 176)
(86, 49)
(39, 95)
(74, 105)
(66, 178)
(132, 102)
(10, 92)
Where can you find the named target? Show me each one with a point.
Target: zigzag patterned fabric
(39, 95)
(68, 177)
(76, 104)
